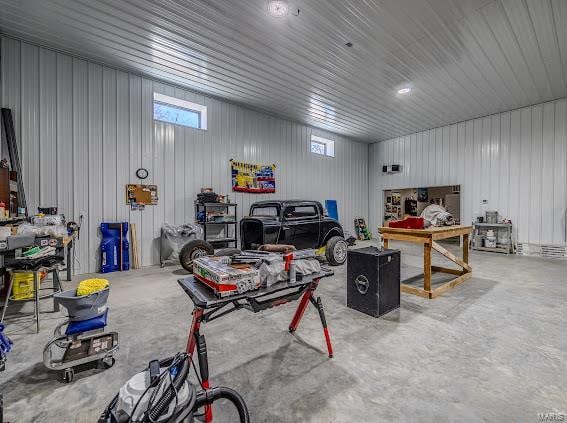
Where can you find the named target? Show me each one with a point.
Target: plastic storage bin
(22, 286)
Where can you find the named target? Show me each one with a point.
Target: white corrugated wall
(85, 128)
(516, 160)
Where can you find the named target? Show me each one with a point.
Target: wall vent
(543, 250)
(395, 168)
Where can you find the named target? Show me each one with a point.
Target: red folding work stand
(209, 307)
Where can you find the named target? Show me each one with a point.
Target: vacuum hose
(169, 394)
(196, 400)
(213, 394)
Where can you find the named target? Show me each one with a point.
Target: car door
(301, 226)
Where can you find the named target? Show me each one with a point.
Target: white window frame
(329, 145)
(184, 104)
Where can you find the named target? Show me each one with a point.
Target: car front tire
(336, 251)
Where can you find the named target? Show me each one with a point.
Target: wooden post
(134, 238)
(427, 266)
(385, 241)
(466, 248)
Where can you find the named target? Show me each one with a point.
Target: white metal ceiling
(463, 58)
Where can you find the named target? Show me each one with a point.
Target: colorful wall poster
(253, 178)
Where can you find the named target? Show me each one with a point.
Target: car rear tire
(336, 251)
(192, 250)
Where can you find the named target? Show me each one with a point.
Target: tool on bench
(250, 270)
(37, 252)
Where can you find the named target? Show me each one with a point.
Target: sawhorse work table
(428, 238)
(209, 307)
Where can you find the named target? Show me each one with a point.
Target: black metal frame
(205, 224)
(14, 156)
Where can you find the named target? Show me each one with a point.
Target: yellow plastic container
(22, 286)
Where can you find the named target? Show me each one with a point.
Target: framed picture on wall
(422, 195)
(396, 198)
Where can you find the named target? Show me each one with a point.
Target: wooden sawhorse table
(428, 238)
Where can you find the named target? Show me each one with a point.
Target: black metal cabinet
(373, 280)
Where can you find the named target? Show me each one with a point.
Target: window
(179, 112)
(322, 146)
(265, 211)
(300, 212)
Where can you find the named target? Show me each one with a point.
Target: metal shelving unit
(207, 208)
(479, 233)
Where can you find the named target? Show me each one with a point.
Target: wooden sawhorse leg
(427, 268)
(466, 248)
(462, 274)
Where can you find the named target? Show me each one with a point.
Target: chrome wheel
(198, 253)
(340, 252)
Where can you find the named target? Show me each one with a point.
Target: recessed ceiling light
(404, 91)
(278, 8)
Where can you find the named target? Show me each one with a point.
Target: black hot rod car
(302, 224)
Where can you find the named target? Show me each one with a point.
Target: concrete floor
(492, 349)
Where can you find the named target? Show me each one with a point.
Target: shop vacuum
(163, 393)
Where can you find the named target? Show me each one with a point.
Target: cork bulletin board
(141, 195)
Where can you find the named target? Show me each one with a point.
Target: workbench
(209, 307)
(428, 238)
(49, 264)
(65, 246)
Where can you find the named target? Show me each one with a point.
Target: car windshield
(272, 211)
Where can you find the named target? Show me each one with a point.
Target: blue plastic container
(5, 346)
(110, 247)
(332, 209)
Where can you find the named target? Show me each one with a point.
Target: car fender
(335, 231)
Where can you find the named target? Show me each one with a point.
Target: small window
(265, 211)
(300, 212)
(322, 146)
(179, 112)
